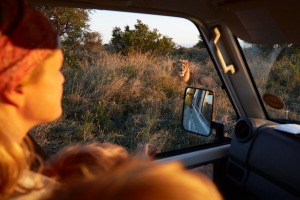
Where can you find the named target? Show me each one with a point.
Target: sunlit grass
(127, 101)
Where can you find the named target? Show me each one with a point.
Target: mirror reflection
(197, 110)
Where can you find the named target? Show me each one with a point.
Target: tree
(73, 29)
(200, 44)
(92, 40)
(71, 23)
(141, 40)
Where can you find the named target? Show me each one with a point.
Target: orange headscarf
(26, 38)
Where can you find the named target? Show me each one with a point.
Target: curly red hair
(140, 179)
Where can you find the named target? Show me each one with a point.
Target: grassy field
(127, 101)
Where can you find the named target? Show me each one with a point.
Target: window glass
(121, 82)
(275, 69)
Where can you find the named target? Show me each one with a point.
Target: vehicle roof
(255, 21)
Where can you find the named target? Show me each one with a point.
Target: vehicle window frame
(200, 146)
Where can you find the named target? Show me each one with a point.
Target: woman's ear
(14, 96)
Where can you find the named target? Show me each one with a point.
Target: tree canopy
(200, 44)
(73, 29)
(141, 39)
(71, 23)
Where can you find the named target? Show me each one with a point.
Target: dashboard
(264, 161)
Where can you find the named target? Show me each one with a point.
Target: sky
(183, 32)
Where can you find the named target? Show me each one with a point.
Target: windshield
(275, 70)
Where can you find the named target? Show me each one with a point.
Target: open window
(121, 84)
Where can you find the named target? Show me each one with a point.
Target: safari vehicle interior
(258, 159)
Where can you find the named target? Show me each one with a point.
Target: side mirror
(197, 110)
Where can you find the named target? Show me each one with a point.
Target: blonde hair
(15, 158)
(139, 179)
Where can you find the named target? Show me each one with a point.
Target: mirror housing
(197, 110)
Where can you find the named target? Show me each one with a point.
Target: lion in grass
(182, 69)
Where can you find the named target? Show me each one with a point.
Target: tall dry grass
(127, 101)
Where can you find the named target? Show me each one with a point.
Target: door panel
(198, 158)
